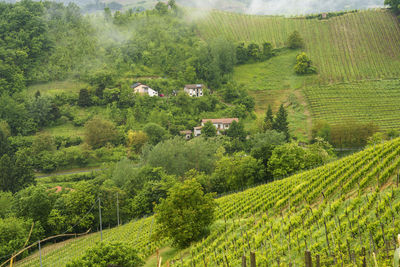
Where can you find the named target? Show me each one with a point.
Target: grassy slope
(274, 82)
(353, 47)
(259, 219)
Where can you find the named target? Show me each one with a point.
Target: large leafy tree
(186, 214)
(99, 132)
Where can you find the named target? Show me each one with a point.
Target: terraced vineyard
(362, 45)
(333, 211)
(364, 101)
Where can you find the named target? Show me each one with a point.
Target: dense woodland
(136, 137)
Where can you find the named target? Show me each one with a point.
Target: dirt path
(303, 102)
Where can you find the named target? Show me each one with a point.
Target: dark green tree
(84, 98)
(155, 132)
(162, 8)
(281, 123)
(295, 41)
(269, 118)
(236, 131)
(209, 129)
(241, 54)
(186, 214)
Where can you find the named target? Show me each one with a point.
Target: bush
(99, 132)
(108, 253)
(303, 65)
(295, 41)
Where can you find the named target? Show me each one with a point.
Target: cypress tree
(281, 124)
(269, 118)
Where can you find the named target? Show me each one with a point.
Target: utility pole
(117, 209)
(101, 227)
(40, 255)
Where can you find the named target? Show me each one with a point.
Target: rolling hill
(334, 211)
(357, 56)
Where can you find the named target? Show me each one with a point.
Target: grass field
(57, 87)
(363, 45)
(353, 203)
(274, 82)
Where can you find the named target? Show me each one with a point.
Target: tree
(394, 5)
(287, 159)
(186, 214)
(16, 172)
(303, 65)
(280, 123)
(99, 132)
(108, 254)
(241, 54)
(209, 129)
(136, 140)
(269, 118)
(237, 172)
(84, 98)
(321, 129)
(155, 132)
(236, 131)
(263, 144)
(295, 41)
(162, 8)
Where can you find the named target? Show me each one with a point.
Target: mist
(302, 7)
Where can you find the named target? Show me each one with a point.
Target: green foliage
(99, 132)
(236, 131)
(290, 157)
(394, 5)
(155, 132)
(13, 235)
(295, 41)
(303, 65)
(178, 156)
(209, 130)
(237, 172)
(186, 214)
(281, 123)
(6, 199)
(109, 253)
(16, 172)
(84, 98)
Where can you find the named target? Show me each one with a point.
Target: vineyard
(334, 211)
(361, 45)
(138, 233)
(364, 101)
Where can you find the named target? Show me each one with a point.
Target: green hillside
(361, 46)
(353, 203)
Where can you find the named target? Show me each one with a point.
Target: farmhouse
(221, 125)
(143, 89)
(194, 90)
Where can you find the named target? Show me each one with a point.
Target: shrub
(108, 253)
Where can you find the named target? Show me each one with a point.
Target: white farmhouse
(194, 90)
(143, 89)
(221, 125)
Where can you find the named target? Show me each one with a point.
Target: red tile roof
(222, 120)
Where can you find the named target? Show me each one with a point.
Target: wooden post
(244, 261)
(278, 261)
(364, 260)
(308, 260)
(227, 263)
(204, 260)
(252, 259)
(317, 263)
